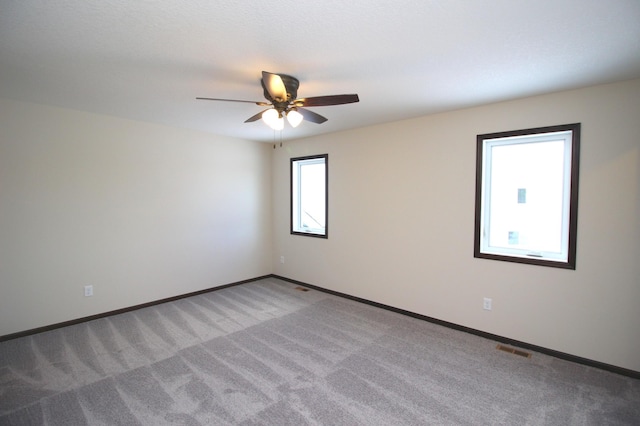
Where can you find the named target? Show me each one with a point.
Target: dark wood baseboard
(557, 354)
(561, 355)
(123, 310)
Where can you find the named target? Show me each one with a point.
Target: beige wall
(141, 212)
(144, 212)
(401, 219)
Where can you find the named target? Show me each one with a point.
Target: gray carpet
(264, 353)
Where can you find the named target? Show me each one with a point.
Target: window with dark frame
(309, 195)
(526, 205)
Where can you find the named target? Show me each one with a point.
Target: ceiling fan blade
(327, 100)
(234, 100)
(311, 116)
(256, 117)
(275, 86)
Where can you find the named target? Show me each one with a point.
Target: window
(527, 196)
(309, 196)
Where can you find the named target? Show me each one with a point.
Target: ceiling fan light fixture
(273, 119)
(294, 118)
(281, 91)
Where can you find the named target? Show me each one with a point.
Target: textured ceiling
(149, 60)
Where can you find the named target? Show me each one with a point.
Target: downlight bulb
(272, 119)
(294, 118)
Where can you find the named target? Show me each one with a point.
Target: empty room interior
(119, 189)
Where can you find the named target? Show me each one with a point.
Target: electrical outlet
(88, 290)
(486, 304)
(281, 259)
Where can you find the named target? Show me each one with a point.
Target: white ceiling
(148, 60)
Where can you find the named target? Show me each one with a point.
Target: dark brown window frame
(570, 263)
(326, 195)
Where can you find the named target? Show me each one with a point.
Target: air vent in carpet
(301, 289)
(513, 351)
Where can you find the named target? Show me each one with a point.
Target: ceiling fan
(281, 92)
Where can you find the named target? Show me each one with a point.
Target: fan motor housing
(290, 83)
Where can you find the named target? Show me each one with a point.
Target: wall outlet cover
(486, 304)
